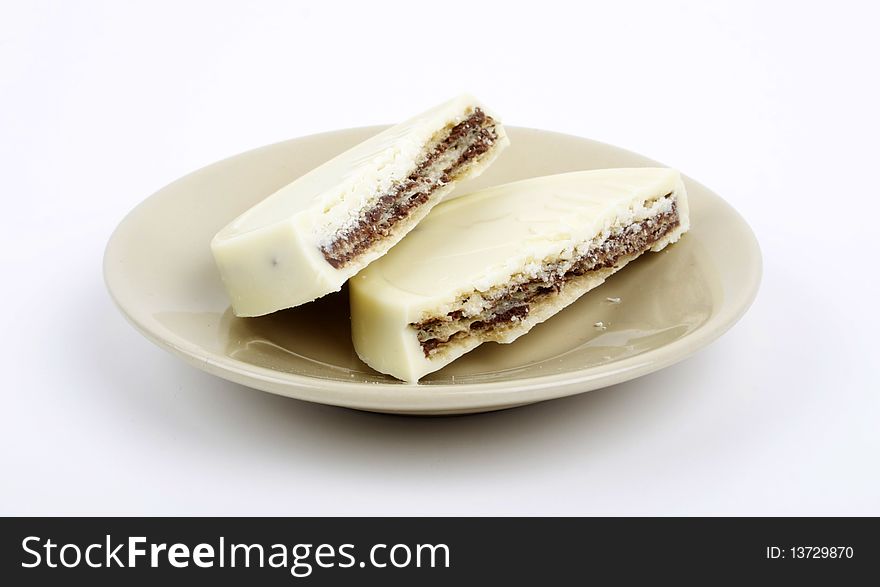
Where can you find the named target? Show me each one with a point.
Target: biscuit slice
(490, 265)
(308, 238)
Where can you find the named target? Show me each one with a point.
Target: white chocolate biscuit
(490, 265)
(308, 238)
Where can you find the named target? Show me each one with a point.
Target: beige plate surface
(159, 270)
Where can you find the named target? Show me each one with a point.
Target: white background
(772, 105)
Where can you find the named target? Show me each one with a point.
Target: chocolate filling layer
(450, 156)
(512, 304)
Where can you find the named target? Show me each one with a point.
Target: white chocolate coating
(488, 238)
(269, 257)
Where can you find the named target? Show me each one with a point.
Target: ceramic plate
(159, 270)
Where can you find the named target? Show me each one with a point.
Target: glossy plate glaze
(159, 270)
